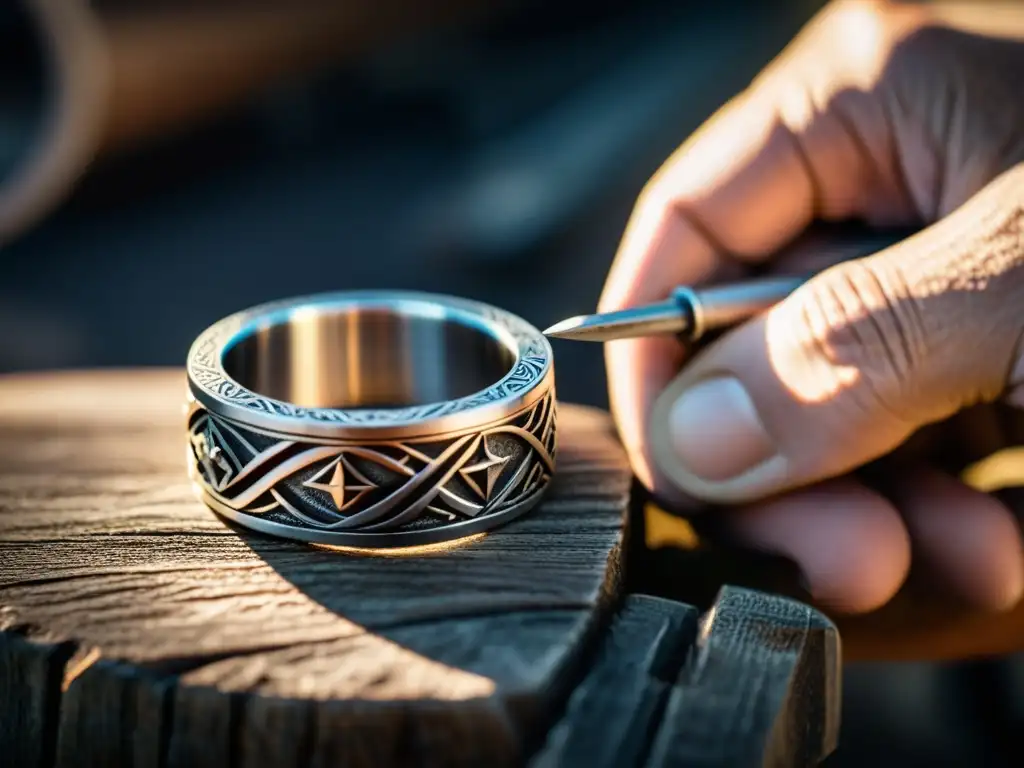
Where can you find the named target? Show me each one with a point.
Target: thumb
(855, 360)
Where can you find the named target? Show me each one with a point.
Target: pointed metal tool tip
(565, 328)
(665, 317)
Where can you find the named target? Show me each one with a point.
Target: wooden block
(762, 687)
(138, 629)
(199, 644)
(757, 684)
(29, 698)
(615, 711)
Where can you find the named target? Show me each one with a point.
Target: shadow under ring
(371, 420)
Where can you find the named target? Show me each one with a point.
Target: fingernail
(716, 431)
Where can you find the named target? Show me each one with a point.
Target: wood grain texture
(139, 629)
(761, 688)
(614, 713)
(754, 683)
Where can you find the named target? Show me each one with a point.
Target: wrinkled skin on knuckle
(842, 47)
(958, 106)
(832, 88)
(942, 94)
(964, 282)
(993, 263)
(862, 326)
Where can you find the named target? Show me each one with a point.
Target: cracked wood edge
(754, 682)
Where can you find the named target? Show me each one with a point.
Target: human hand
(898, 115)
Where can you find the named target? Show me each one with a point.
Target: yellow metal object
(667, 530)
(1003, 469)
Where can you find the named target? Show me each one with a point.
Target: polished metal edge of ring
(407, 477)
(221, 395)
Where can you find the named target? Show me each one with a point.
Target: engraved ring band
(368, 419)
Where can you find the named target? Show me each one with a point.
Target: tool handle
(720, 306)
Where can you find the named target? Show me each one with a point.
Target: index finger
(809, 139)
(735, 192)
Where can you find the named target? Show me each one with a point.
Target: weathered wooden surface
(614, 712)
(137, 628)
(754, 682)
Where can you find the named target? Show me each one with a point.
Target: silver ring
(371, 419)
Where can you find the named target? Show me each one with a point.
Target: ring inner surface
(355, 357)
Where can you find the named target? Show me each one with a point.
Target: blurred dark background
(496, 158)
